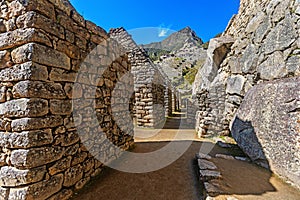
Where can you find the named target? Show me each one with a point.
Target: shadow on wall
(244, 134)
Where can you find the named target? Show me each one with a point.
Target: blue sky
(206, 17)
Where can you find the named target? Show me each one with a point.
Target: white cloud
(163, 30)
(163, 33)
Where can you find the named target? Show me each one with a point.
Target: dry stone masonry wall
(266, 47)
(265, 52)
(210, 90)
(46, 151)
(152, 88)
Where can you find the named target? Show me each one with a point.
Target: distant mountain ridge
(176, 41)
(179, 56)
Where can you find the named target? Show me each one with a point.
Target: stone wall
(267, 124)
(151, 86)
(266, 47)
(168, 100)
(210, 91)
(49, 90)
(191, 112)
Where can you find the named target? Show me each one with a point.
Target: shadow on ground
(180, 180)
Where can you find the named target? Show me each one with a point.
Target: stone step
(213, 189)
(226, 157)
(206, 175)
(203, 156)
(205, 164)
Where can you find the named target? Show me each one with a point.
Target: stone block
(213, 188)
(24, 108)
(73, 91)
(79, 158)
(25, 71)
(80, 184)
(38, 191)
(207, 175)
(73, 175)
(204, 165)
(292, 64)
(61, 107)
(60, 75)
(26, 124)
(12, 177)
(4, 59)
(4, 193)
(33, 19)
(32, 158)
(12, 9)
(249, 59)
(60, 166)
(235, 84)
(67, 139)
(274, 67)
(255, 22)
(2, 26)
(5, 124)
(88, 165)
(42, 55)
(44, 7)
(3, 159)
(266, 126)
(203, 156)
(22, 36)
(36, 89)
(69, 49)
(280, 37)
(226, 157)
(26, 139)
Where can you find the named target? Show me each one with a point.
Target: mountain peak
(176, 40)
(186, 29)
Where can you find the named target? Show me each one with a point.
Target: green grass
(191, 73)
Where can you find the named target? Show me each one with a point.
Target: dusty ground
(179, 181)
(248, 182)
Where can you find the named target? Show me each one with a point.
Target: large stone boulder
(216, 52)
(267, 127)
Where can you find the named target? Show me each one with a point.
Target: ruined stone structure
(264, 47)
(67, 94)
(152, 88)
(191, 112)
(211, 93)
(51, 128)
(68, 98)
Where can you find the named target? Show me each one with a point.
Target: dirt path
(246, 181)
(179, 181)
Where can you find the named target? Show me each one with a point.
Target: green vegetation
(155, 54)
(205, 45)
(191, 73)
(185, 81)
